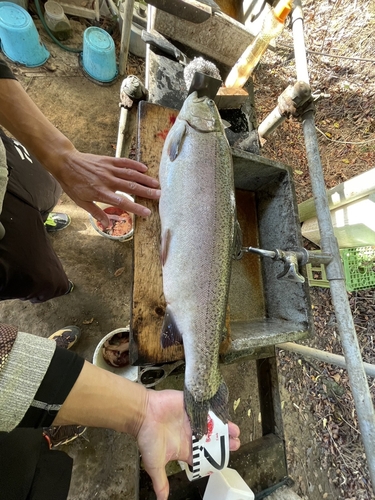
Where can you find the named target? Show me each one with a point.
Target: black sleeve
(5, 71)
(58, 381)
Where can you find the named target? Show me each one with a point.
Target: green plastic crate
(359, 269)
(316, 276)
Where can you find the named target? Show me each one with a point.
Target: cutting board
(148, 304)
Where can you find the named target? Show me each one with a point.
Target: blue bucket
(19, 37)
(99, 55)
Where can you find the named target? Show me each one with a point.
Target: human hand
(165, 435)
(87, 178)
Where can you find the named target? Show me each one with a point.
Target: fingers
(131, 175)
(133, 188)
(124, 163)
(160, 483)
(129, 206)
(117, 201)
(96, 212)
(234, 434)
(135, 181)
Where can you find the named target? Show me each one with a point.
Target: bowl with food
(112, 354)
(120, 222)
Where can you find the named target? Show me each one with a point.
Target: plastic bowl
(110, 209)
(19, 37)
(129, 372)
(99, 55)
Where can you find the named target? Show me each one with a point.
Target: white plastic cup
(227, 485)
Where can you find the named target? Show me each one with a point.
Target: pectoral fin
(164, 247)
(237, 240)
(170, 334)
(175, 139)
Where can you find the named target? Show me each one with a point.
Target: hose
(45, 26)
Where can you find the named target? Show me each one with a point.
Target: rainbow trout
(197, 212)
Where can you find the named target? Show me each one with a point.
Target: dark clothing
(57, 383)
(29, 267)
(5, 71)
(30, 470)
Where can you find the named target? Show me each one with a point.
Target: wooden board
(148, 305)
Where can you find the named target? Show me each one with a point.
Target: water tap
(291, 259)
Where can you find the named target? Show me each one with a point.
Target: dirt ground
(320, 465)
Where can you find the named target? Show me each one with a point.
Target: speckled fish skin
(197, 211)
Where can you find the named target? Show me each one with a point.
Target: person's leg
(30, 470)
(28, 180)
(29, 266)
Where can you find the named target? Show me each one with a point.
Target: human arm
(84, 177)
(156, 418)
(42, 385)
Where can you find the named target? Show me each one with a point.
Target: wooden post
(127, 17)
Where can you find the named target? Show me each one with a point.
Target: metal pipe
(326, 357)
(121, 131)
(299, 43)
(334, 271)
(270, 123)
(289, 104)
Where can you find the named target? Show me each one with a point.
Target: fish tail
(197, 411)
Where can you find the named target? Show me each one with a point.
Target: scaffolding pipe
(326, 357)
(334, 271)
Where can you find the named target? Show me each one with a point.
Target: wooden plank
(83, 10)
(148, 305)
(192, 10)
(228, 98)
(232, 8)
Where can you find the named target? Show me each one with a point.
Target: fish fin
(219, 402)
(175, 139)
(166, 238)
(170, 334)
(237, 240)
(225, 124)
(197, 411)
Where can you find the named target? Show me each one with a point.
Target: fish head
(201, 114)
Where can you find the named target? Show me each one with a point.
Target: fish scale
(197, 212)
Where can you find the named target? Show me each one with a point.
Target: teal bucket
(19, 37)
(99, 55)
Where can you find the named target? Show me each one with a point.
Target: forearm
(23, 119)
(102, 399)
